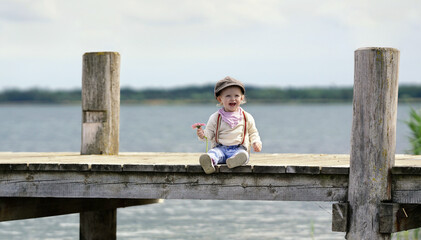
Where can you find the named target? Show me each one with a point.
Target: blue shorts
(221, 153)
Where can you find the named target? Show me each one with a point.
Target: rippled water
(310, 128)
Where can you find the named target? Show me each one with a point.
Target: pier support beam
(18, 208)
(373, 139)
(100, 129)
(395, 217)
(98, 225)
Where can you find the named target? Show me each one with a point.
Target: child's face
(231, 98)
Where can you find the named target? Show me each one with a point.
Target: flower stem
(206, 144)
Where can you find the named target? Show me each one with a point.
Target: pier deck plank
(156, 158)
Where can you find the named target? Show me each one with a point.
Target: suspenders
(218, 122)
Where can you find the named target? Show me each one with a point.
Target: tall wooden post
(100, 103)
(373, 139)
(100, 129)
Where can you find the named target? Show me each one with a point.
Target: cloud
(372, 14)
(374, 22)
(27, 10)
(197, 27)
(207, 13)
(184, 40)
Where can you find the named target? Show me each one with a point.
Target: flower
(198, 125)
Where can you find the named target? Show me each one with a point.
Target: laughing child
(231, 130)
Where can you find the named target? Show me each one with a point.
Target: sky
(174, 43)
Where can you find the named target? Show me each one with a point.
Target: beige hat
(228, 82)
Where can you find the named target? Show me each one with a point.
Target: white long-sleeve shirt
(228, 136)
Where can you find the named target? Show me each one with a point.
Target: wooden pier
(47, 184)
(374, 191)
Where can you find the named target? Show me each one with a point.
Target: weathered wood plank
(407, 170)
(74, 167)
(44, 167)
(154, 168)
(170, 168)
(406, 189)
(26, 208)
(154, 185)
(106, 168)
(396, 217)
(269, 169)
(303, 169)
(334, 170)
(198, 169)
(138, 168)
(241, 169)
(13, 166)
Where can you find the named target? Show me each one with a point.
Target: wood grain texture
(100, 131)
(406, 188)
(373, 139)
(165, 185)
(100, 103)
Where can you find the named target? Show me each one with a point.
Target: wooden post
(373, 139)
(100, 129)
(98, 225)
(100, 103)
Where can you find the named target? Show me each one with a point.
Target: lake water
(302, 128)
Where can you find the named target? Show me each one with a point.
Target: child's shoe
(238, 160)
(206, 163)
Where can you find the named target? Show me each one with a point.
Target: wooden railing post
(100, 129)
(373, 139)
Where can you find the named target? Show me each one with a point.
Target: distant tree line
(202, 94)
(40, 96)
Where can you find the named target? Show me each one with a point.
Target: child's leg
(206, 162)
(240, 158)
(217, 154)
(209, 160)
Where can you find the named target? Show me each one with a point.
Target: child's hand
(257, 147)
(200, 133)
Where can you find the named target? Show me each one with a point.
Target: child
(231, 129)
